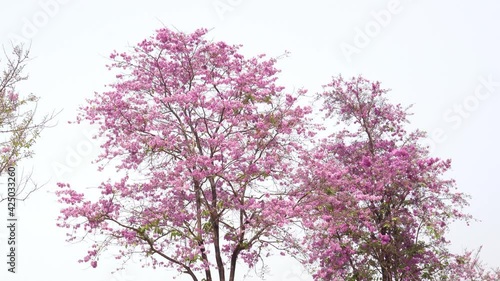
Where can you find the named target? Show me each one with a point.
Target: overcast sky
(441, 56)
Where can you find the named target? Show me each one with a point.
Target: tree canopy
(217, 163)
(19, 126)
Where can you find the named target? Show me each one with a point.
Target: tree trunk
(204, 257)
(234, 258)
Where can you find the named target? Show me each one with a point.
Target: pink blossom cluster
(375, 204)
(223, 165)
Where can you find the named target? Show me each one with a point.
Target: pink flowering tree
(375, 204)
(19, 125)
(204, 141)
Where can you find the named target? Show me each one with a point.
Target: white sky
(433, 54)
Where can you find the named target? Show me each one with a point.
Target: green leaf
(207, 227)
(175, 233)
